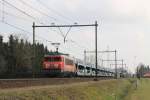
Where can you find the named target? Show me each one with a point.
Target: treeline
(142, 69)
(17, 56)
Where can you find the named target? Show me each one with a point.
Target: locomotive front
(53, 64)
(58, 65)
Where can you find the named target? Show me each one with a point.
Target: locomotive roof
(56, 53)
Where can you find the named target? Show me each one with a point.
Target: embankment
(99, 90)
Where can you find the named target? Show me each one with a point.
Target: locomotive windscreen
(53, 59)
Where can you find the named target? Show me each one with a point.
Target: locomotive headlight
(46, 65)
(56, 65)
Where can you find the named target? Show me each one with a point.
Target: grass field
(142, 92)
(101, 90)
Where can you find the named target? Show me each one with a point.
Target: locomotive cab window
(53, 59)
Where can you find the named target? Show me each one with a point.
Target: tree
(2, 65)
(2, 59)
(142, 69)
(16, 56)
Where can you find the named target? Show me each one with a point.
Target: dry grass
(101, 90)
(142, 92)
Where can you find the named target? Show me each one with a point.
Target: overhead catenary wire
(7, 13)
(18, 27)
(61, 33)
(21, 29)
(67, 34)
(28, 15)
(64, 36)
(25, 13)
(54, 11)
(32, 17)
(18, 17)
(70, 40)
(3, 8)
(39, 11)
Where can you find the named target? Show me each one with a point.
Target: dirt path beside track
(17, 83)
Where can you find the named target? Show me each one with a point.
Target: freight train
(63, 65)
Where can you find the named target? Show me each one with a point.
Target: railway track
(17, 83)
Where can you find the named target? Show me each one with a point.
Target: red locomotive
(59, 64)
